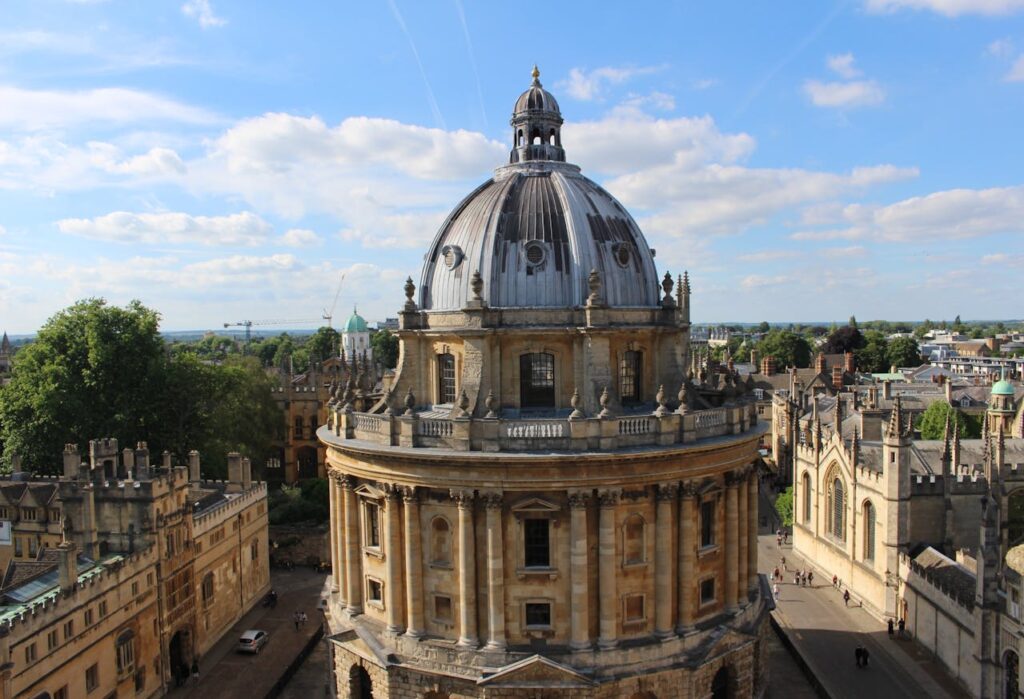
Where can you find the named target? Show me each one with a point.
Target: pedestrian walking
(303, 619)
(785, 537)
(776, 575)
(858, 655)
(810, 577)
(775, 591)
(902, 625)
(835, 581)
(890, 629)
(784, 563)
(195, 671)
(846, 598)
(864, 655)
(296, 619)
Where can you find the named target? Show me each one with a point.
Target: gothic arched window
(837, 511)
(806, 497)
(869, 531)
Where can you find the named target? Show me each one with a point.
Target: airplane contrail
(423, 73)
(472, 60)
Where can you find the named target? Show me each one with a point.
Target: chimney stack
(949, 391)
(67, 567)
(819, 363)
(754, 358)
(72, 461)
(848, 364)
(166, 465)
(193, 466)
(837, 378)
(768, 366)
(128, 462)
(234, 472)
(887, 390)
(246, 474)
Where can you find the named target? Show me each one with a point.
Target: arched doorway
(1011, 675)
(721, 685)
(179, 655)
(359, 684)
(306, 457)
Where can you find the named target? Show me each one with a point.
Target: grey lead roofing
(577, 225)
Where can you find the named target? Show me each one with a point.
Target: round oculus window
(452, 255)
(535, 253)
(622, 255)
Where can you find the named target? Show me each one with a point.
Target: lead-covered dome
(536, 230)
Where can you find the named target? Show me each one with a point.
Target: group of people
(300, 619)
(902, 627)
(862, 654)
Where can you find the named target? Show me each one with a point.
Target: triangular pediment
(536, 672)
(535, 505)
(366, 490)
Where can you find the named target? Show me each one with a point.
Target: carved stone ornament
(477, 285)
(685, 397)
(389, 398)
(666, 286)
(492, 501)
(345, 481)
(492, 405)
(410, 291)
(462, 498)
(463, 404)
(594, 284)
(689, 489)
(605, 401)
(608, 498)
(667, 491)
(575, 403)
(410, 402)
(579, 500)
(410, 495)
(660, 397)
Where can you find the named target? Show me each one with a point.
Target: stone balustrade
(530, 434)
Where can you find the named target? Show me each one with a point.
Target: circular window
(622, 255)
(535, 253)
(452, 256)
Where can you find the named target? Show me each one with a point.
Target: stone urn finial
(605, 400)
(462, 404)
(666, 286)
(410, 291)
(575, 403)
(594, 284)
(389, 398)
(492, 405)
(477, 284)
(685, 398)
(410, 402)
(660, 397)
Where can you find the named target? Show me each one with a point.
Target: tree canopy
(385, 348)
(845, 339)
(788, 348)
(903, 351)
(932, 422)
(97, 370)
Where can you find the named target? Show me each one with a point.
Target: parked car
(252, 641)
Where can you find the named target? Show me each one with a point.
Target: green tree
(932, 422)
(873, 356)
(763, 327)
(385, 348)
(324, 344)
(845, 339)
(903, 351)
(853, 322)
(784, 506)
(789, 349)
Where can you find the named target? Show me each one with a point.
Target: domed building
(355, 338)
(548, 502)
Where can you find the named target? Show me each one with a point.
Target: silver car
(252, 641)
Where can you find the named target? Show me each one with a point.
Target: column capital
(733, 478)
(667, 491)
(579, 499)
(689, 489)
(608, 498)
(344, 481)
(492, 500)
(410, 494)
(462, 498)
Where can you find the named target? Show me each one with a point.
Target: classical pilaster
(687, 555)
(663, 561)
(413, 564)
(732, 552)
(495, 574)
(467, 570)
(753, 502)
(609, 595)
(353, 555)
(336, 527)
(579, 573)
(393, 560)
(741, 535)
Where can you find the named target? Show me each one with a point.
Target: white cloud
(946, 215)
(300, 238)
(842, 65)
(757, 281)
(662, 101)
(1016, 73)
(949, 8)
(1003, 259)
(1002, 48)
(591, 85)
(704, 83)
(849, 251)
(201, 11)
(123, 227)
(37, 110)
(856, 93)
(768, 255)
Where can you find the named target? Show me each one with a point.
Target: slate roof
(947, 574)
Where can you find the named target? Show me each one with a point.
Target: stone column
(741, 535)
(753, 502)
(687, 556)
(579, 573)
(663, 561)
(336, 527)
(495, 574)
(414, 626)
(732, 552)
(467, 570)
(353, 554)
(393, 560)
(609, 596)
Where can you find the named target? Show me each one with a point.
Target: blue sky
(225, 160)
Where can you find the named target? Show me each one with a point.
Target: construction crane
(247, 324)
(329, 315)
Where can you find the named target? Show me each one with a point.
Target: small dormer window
(535, 254)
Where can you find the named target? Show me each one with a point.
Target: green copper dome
(356, 324)
(1002, 388)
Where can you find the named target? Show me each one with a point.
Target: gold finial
(536, 72)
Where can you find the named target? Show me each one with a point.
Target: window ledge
(376, 604)
(551, 573)
(376, 552)
(707, 550)
(441, 566)
(635, 564)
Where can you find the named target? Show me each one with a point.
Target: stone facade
(545, 503)
(156, 566)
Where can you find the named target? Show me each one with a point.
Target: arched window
(1011, 668)
(519, 137)
(298, 427)
(630, 376)
(551, 137)
(535, 137)
(634, 540)
(869, 531)
(721, 684)
(359, 684)
(208, 589)
(836, 509)
(445, 378)
(440, 542)
(537, 380)
(125, 646)
(805, 495)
